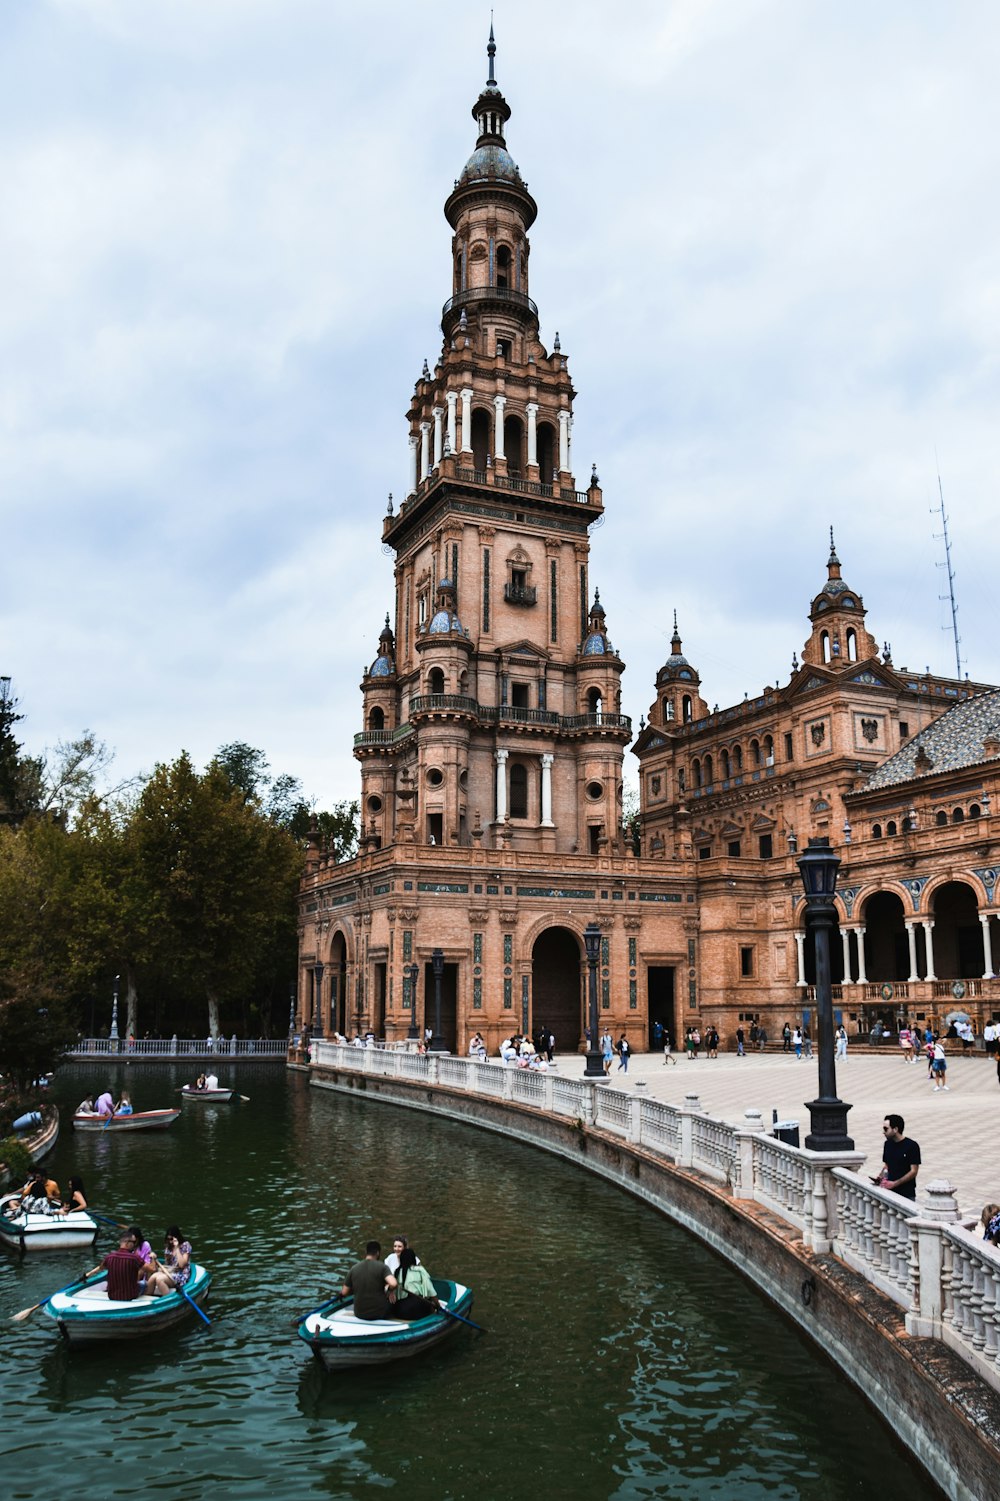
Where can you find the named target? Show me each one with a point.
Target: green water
(622, 1359)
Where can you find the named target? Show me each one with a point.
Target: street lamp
(318, 1028)
(828, 1115)
(437, 965)
(411, 973)
(113, 1034)
(291, 1009)
(592, 943)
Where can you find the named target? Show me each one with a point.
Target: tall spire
(491, 50)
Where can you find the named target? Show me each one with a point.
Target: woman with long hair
(416, 1297)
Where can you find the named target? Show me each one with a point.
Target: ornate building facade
(492, 740)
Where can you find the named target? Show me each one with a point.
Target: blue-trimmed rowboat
(340, 1340)
(22, 1230)
(86, 1316)
(139, 1120)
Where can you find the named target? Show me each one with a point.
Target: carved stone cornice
(408, 914)
(631, 924)
(478, 915)
(508, 917)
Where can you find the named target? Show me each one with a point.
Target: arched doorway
(887, 951)
(556, 997)
(958, 936)
(338, 985)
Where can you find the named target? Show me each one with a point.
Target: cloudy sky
(769, 237)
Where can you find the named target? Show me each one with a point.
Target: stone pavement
(957, 1131)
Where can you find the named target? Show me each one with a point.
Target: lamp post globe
(592, 944)
(818, 866)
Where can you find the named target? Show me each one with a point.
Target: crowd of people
(41, 1195)
(105, 1104)
(519, 1051)
(135, 1269)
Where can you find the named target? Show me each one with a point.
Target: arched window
(876, 831)
(724, 765)
(755, 753)
(481, 433)
(518, 790)
(545, 444)
(681, 780)
(852, 644)
(513, 444)
(376, 719)
(890, 828)
(708, 771)
(940, 817)
(686, 709)
(696, 773)
(435, 680)
(957, 815)
(668, 709)
(768, 751)
(737, 760)
(594, 702)
(825, 643)
(974, 810)
(503, 266)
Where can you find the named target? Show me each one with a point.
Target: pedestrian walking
(842, 1041)
(668, 1049)
(786, 1038)
(741, 1051)
(939, 1067)
(797, 1042)
(623, 1051)
(807, 1042)
(761, 1038)
(607, 1050)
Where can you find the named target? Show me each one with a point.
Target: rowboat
(141, 1120)
(340, 1340)
(219, 1096)
(26, 1230)
(87, 1316)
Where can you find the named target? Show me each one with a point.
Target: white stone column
(532, 411)
(547, 761)
(501, 785)
(411, 478)
(862, 977)
(437, 413)
(425, 449)
(929, 942)
(912, 940)
(467, 419)
(569, 445)
(499, 403)
(984, 918)
(452, 404)
(564, 443)
(845, 939)
(800, 949)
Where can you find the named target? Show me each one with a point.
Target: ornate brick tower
(493, 711)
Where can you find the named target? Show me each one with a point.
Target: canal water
(622, 1360)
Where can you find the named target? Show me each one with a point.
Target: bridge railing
(178, 1047)
(918, 1254)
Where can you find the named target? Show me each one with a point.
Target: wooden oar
(200, 1312)
(18, 1318)
(104, 1219)
(245, 1098)
(462, 1319)
(300, 1318)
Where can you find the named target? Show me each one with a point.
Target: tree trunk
(213, 1014)
(132, 1003)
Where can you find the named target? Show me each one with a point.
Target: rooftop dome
(490, 162)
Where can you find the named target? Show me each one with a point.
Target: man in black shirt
(901, 1157)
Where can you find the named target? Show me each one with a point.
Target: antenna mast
(950, 596)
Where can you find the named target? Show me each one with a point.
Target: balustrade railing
(916, 1254)
(178, 1047)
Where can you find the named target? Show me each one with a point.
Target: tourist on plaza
(657, 1035)
(797, 1042)
(929, 1050)
(695, 1040)
(906, 1043)
(668, 1048)
(209, 1043)
(712, 1042)
(623, 1050)
(416, 1295)
(990, 1037)
(761, 1038)
(477, 1048)
(939, 1068)
(786, 1038)
(807, 1042)
(754, 1034)
(741, 1051)
(370, 1281)
(841, 1041)
(901, 1156)
(607, 1050)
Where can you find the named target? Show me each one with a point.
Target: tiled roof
(954, 741)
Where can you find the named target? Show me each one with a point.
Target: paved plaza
(957, 1131)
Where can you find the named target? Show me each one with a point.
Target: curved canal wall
(903, 1298)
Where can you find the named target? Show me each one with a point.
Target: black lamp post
(318, 1028)
(410, 975)
(291, 1009)
(592, 943)
(828, 1114)
(113, 1034)
(437, 965)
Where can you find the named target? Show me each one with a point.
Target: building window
(876, 831)
(957, 816)
(746, 962)
(940, 817)
(519, 695)
(681, 780)
(890, 828)
(766, 846)
(518, 791)
(904, 730)
(686, 709)
(704, 852)
(788, 747)
(733, 849)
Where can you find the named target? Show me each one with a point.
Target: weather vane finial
(491, 51)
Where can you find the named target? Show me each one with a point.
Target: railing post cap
(754, 1120)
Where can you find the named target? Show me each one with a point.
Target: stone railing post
(745, 1136)
(432, 1068)
(589, 1104)
(508, 1083)
(547, 1102)
(635, 1120)
(938, 1208)
(819, 1208)
(690, 1108)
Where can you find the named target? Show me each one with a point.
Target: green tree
(36, 1027)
